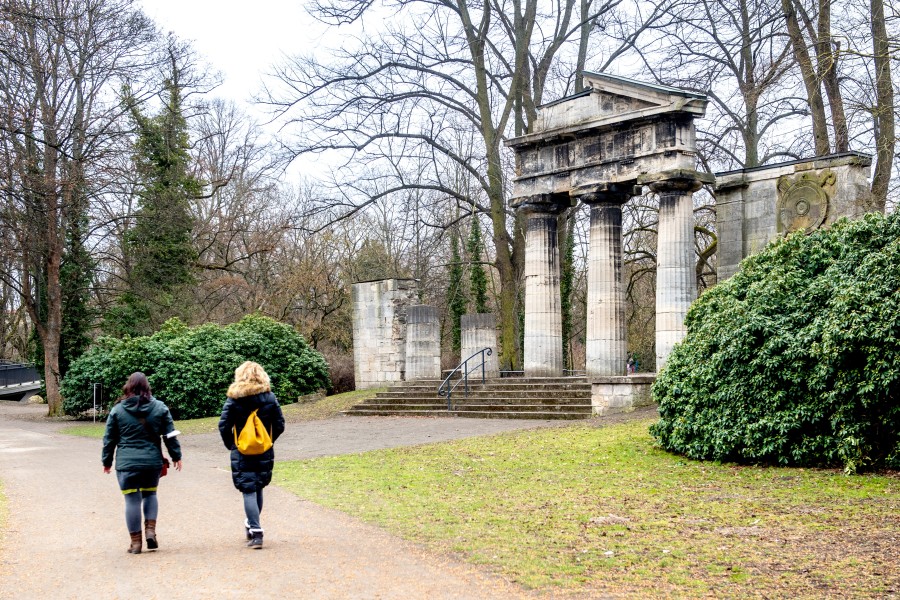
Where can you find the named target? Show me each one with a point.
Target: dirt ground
(65, 534)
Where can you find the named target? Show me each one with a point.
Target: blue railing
(12, 373)
(445, 389)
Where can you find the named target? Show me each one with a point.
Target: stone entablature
(614, 133)
(755, 206)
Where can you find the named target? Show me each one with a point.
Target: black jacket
(251, 473)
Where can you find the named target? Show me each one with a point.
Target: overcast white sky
(240, 39)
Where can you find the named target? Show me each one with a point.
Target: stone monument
(380, 310)
(423, 343)
(755, 206)
(602, 146)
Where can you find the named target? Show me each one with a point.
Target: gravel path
(66, 538)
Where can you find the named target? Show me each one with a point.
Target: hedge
(190, 369)
(796, 359)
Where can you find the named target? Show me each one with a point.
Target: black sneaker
(256, 540)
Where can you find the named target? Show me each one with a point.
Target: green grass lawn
(601, 509)
(328, 406)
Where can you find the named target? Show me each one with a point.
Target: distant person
(251, 392)
(133, 431)
(629, 366)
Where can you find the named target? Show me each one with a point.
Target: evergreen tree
(477, 277)
(566, 284)
(159, 246)
(456, 298)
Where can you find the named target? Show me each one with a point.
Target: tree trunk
(884, 107)
(828, 73)
(583, 40)
(750, 92)
(810, 80)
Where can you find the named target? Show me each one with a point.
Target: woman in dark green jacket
(133, 431)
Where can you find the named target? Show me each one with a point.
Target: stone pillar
(606, 348)
(479, 331)
(543, 308)
(379, 330)
(423, 343)
(676, 280)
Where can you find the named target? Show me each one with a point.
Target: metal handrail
(445, 389)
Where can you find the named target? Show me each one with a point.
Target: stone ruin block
(423, 343)
(755, 206)
(380, 310)
(480, 331)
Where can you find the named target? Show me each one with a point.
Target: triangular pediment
(638, 92)
(610, 101)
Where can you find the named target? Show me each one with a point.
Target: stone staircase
(501, 398)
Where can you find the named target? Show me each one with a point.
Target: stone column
(423, 343)
(543, 308)
(676, 280)
(479, 331)
(606, 346)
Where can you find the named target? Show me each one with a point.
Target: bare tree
(445, 82)
(61, 63)
(733, 51)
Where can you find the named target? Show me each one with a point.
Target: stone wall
(755, 206)
(379, 330)
(610, 395)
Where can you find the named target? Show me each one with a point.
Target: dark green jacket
(137, 446)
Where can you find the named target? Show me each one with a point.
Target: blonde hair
(251, 372)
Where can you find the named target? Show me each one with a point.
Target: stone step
(581, 388)
(531, 414)
(492, 380)
(462, 400)
(490, 394)
(574, 407)
(510, 398)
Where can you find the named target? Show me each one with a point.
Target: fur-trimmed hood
(242, 389)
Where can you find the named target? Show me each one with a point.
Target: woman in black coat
(251, 391)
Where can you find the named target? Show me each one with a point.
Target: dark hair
(137, 385)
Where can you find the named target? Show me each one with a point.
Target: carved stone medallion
(803, 201)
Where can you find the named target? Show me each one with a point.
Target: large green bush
(796, 359)
(190, 368)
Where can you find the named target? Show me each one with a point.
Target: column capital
(618, 193)
(542, 203)
(676, 180)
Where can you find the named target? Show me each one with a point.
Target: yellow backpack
(253, 439)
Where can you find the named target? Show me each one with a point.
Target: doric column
(606, 345)
(543, 316)
(676, 280)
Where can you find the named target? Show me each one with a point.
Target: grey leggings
(134, 503)
(253, 503)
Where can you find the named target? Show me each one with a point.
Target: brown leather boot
(150, 534)
(136, 542)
